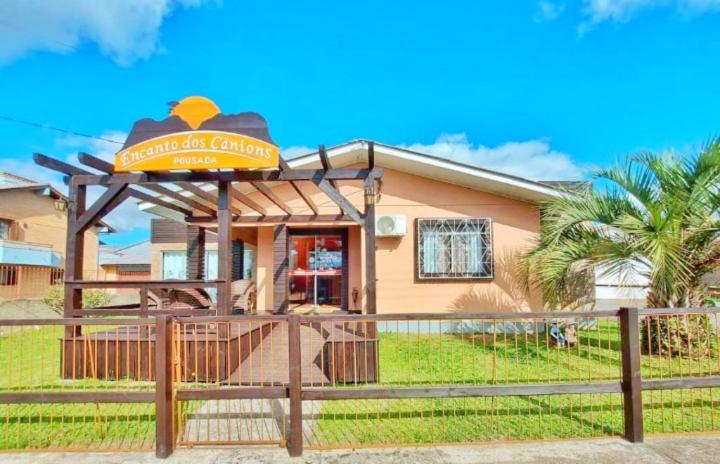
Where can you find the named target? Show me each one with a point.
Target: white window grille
(454, 248)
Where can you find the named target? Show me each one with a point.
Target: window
(249, 253)
(5, 229)
(174, 265)
(8, 275)
(211, 264)
(454, 248)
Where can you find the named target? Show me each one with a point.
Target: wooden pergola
(200, 207)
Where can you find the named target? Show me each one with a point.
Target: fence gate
(230, 380)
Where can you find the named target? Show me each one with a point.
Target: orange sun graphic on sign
(195, 110)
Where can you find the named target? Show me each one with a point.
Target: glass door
(316, 270)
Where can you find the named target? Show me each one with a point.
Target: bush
(92, 298)
(687, 336)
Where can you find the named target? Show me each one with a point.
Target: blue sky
(545, 89)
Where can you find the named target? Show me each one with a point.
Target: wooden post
(224, 238)
(74, 247)
(144, 302)
(631, 379)
(281, 263)
(295, 442)
(164, 436)
(370, 270)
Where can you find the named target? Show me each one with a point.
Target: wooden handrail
(143, 283)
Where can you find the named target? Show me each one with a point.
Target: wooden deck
(238, 353)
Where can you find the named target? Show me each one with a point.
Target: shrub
(92, 298)
(687, 336)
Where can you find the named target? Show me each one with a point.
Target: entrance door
(318, 269)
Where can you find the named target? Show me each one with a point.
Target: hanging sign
(196, 136)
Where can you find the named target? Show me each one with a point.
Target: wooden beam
(245, 393)
(631, 379)
(230, 176)
(247, 201)
(325, 161)
(224, 241)
(164, 436)
(461, 391)
(79, 174)
(74, 249)
(100, 208)
(200, 193)
(306, 198)
(340, 200)
(205, 195)
(142, 283)
(78, 396)
(102, 165)
(281, 219)
(270, 195)
(157, 201)
(370, 265)
(180, 197)
(371, 155)
(682, 383)
(281, 266)
(295, 441)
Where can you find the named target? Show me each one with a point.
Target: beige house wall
(39, 222)
(515, 224)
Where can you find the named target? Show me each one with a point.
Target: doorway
(318, 269)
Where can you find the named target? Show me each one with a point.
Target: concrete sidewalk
(660, 450)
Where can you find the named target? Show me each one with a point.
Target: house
(33, 223)
(447, 237)
(129, 262)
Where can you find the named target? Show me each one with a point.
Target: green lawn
(30, 360)
(408, 357)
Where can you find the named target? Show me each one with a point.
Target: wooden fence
(356, 380)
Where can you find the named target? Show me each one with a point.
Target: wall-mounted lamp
(369, 195)
(60, 205)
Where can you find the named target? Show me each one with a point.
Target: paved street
(697, 449)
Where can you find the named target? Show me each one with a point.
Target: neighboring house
(33, 223)
(129, 262)
(618, 289)
(448, 238)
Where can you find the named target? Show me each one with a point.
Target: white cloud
(125, 30)
(599, 11)
(532, 159)
(548, 11)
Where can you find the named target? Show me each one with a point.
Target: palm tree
(656, 215)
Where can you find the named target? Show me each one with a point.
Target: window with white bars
(454, 248)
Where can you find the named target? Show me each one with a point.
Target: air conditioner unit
(390, 225)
